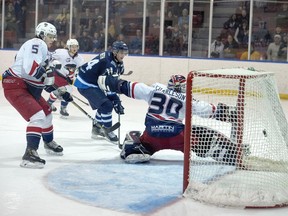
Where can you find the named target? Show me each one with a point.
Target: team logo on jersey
(162, 128)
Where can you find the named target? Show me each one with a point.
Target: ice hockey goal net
(254, 141)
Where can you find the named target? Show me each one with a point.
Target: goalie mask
(177, 83)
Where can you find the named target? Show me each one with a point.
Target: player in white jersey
(23, 84)
(164, 128)
(70, 60)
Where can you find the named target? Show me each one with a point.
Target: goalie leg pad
(133, 136)
(133, 151)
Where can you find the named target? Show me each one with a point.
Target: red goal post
(256, 140)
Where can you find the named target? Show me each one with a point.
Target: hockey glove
(222, 112)
(62, 93)
(67, 97)
(48, 78)
(108, 83)
(119, 109)
(54, 65)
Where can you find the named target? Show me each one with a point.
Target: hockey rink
(90, 178)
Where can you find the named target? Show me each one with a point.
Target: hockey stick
(81, 100)
(82, 110)
(119, 128)
(128, 73)
(106, 130)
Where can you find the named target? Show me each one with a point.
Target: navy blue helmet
(119, 46)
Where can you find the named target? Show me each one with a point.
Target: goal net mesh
(242, 161)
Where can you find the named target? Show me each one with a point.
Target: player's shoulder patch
(102, 55)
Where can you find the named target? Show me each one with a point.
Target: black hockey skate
(63, 112)
(31, 159)
(111, 137)
(97, 132)
(53, 148)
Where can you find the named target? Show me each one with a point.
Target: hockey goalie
(164, 128)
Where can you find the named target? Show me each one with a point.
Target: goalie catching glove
(225, 113)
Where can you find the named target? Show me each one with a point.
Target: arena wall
(158, 69)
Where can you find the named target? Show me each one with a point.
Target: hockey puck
(265, 133)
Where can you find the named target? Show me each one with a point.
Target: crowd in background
(125, 23)
(235, 37)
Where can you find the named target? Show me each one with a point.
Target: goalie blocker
(214, 145)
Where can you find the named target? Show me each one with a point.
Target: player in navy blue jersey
(105, 63)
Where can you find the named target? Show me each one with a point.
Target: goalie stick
(106, 130)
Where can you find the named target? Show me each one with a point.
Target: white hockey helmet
(71, 42)
(44, 28)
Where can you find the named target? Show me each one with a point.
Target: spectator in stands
(58, 44)
(230, 47)
(243, 17)
(85, 42)
(156, 19)
(97, 12)
(170, 19)
(51, 19)
(241, 35)
(231, 25)
(61, 22)
(273, 48)
(10, 18)
(261, 36)
(120, 37)
(175, 41)
(217, 48)
(278, 31)
(184, 40)
(184, 18)
(254, 55)
(98, 24)
(178, 8)
(86, 21)
(282, 16)
(282, 53)
(112, 28)
(98, 42)
(135, 46)
(20, 14)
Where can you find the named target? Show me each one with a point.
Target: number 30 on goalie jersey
(166, 108)
(164, 104)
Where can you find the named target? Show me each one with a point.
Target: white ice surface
(24, 192)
